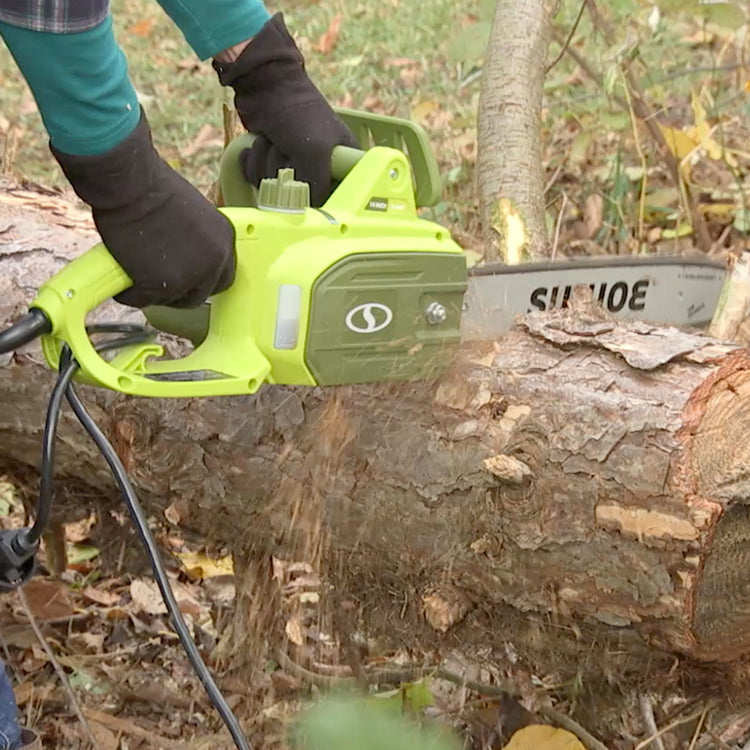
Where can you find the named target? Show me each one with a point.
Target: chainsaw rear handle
(90, 279)
(237, 191)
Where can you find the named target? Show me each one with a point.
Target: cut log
(579, 466)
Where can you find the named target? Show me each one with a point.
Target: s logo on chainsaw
(369, 318)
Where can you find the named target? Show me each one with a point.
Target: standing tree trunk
(511, 179)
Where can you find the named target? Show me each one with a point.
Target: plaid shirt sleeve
(56, 16)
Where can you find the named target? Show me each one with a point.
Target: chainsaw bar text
(614, 297)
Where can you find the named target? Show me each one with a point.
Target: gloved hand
(276, 100)
(175, 246)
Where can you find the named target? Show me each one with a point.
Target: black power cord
(25, 329)
(18, 546)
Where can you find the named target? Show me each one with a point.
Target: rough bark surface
(511, 179)
(579, 467)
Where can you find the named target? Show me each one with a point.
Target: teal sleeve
(211, 26)
(81, 85)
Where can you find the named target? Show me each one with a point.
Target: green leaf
(681, 230)
(665, 198)
(610, 79)
(615, 120)
(726, 15)
(666, 6)
(82, 681)
(455, 175)
(79, 553)
(7, 496)
(579, 148)
(742, 221)
(729, 15)
(417, 695)
(346, 723)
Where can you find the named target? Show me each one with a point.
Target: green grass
(411, 58)
(182, 95)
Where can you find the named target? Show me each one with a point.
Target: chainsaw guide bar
(668, 290)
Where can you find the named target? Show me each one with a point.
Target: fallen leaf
(330, 37)
(198, 565)
(29, 690)
(444, 609)
(679, 142)
(143, 28)
(221, 590)
(87, 642)
(293, 629)
(346, 101)
(48, 600)
(172, 514)
(579, 148)
(737, 729)
(374, 104)
(147, 597)
(79, 531)
(421, 110)
(105, 598)
(18, 636)
(542, 737)
(593, 213)
(7, 489)
(284, 569)
(105, 738)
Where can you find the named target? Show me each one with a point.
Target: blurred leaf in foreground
(346, 723)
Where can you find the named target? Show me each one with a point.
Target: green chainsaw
(360, 290)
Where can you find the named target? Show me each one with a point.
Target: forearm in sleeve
(212, 26)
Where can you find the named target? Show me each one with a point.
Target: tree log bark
(578, 466)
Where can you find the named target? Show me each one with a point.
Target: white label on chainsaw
(369, 318)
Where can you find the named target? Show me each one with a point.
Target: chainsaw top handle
(370, 130)
(237, 191)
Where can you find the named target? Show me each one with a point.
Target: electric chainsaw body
(361, 290)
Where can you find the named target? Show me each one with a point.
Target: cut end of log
(722, 603)
(717, 470)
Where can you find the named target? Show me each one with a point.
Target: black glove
(277, 101)
(171, 241)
